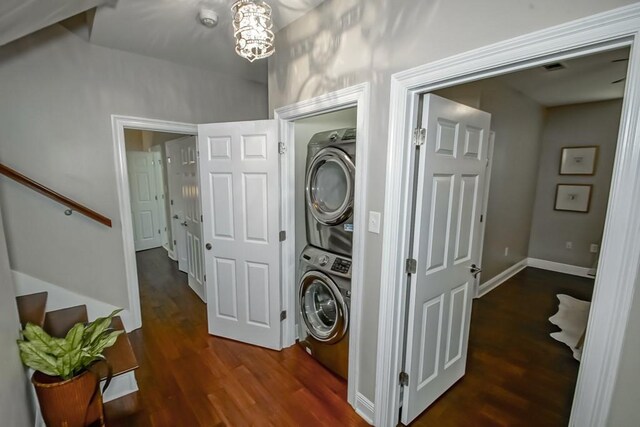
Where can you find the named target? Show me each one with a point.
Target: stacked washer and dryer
(324, 289)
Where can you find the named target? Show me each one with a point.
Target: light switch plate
(374, 222)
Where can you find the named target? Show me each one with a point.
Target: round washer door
(329, 186)
(323, 308)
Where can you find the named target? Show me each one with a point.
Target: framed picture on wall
(573, 197)
(578, 160)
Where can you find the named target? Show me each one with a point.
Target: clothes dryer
(329, 189)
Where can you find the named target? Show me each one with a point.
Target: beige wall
(344, 42)
(15, 407)
(517, 121)
(594, 123)
(58, 93)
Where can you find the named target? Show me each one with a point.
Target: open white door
(240, 204)
(144, 208)
(158, 167)
(185, 210)
(446, 242)
(175, 172)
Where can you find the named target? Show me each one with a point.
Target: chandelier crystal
(252, 29)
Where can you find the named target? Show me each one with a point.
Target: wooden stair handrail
(71, 204)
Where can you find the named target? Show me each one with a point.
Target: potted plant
(67, 388)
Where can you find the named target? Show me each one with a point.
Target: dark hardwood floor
(517, 375)
(189, 378)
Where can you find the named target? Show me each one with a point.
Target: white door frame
(354, 96)
(485, 203)
(620, 259)
(133, 317)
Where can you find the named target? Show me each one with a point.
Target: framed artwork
(573, 197)
(578, 160)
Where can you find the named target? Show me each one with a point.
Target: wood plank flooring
(516, 374)
(189, 378)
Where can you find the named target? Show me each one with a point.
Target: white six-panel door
(240, 203)
(192, 216)
(144, 208)
(175, 172)
(451, 168)
(185, 210)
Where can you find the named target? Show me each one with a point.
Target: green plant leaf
(35, 358)
(45, 342)
(74, 337)
(98, 326)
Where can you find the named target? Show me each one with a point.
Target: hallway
(516, 374)
(189, 378)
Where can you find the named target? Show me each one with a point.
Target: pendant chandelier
(252, 29)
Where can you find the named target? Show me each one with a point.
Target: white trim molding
(559, 267)
(364, 408)
(619, 266)
(499, 279)
(118, 124)
(354, 96)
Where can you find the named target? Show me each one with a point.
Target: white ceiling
(170, 29)
(584, 79)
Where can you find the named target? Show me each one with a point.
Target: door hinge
(411, 266)
(404, 379)
(419, 136)
(174, 243)
(205, 277)
(201, 219)
(156, 197)
(159, 231)
(281, 148)
(171, 202)
(481, 218)
(283, 236)
(283, 315)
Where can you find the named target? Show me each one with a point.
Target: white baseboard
(63, 298)
(559, 267)
(120, 386)
(364, 407)
(496, 281)
(172, 255)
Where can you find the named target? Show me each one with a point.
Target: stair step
(57, 323)
(31, 308)
(120, 356)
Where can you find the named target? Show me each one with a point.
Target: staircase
(32, 309)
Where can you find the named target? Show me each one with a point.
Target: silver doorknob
(208, 246)
(184, 223)
(475, 270)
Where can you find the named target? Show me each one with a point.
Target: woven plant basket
(76, 402)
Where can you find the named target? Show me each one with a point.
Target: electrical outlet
(568, 245)
(594, 248)
(506, 251)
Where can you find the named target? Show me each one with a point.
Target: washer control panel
(341, 265)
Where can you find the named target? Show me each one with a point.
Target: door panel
(144, 208)
(240, 195)
(186, 203)
(451, 167)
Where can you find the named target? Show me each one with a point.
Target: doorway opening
(550, 161)
(165, 202)
(605, 329)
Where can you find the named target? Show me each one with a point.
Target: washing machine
(324, 294)
(329, 188)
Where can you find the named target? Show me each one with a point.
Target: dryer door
(329, 186)
(323, 308)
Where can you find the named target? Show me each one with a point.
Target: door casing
(620, 256)
(353, 96)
